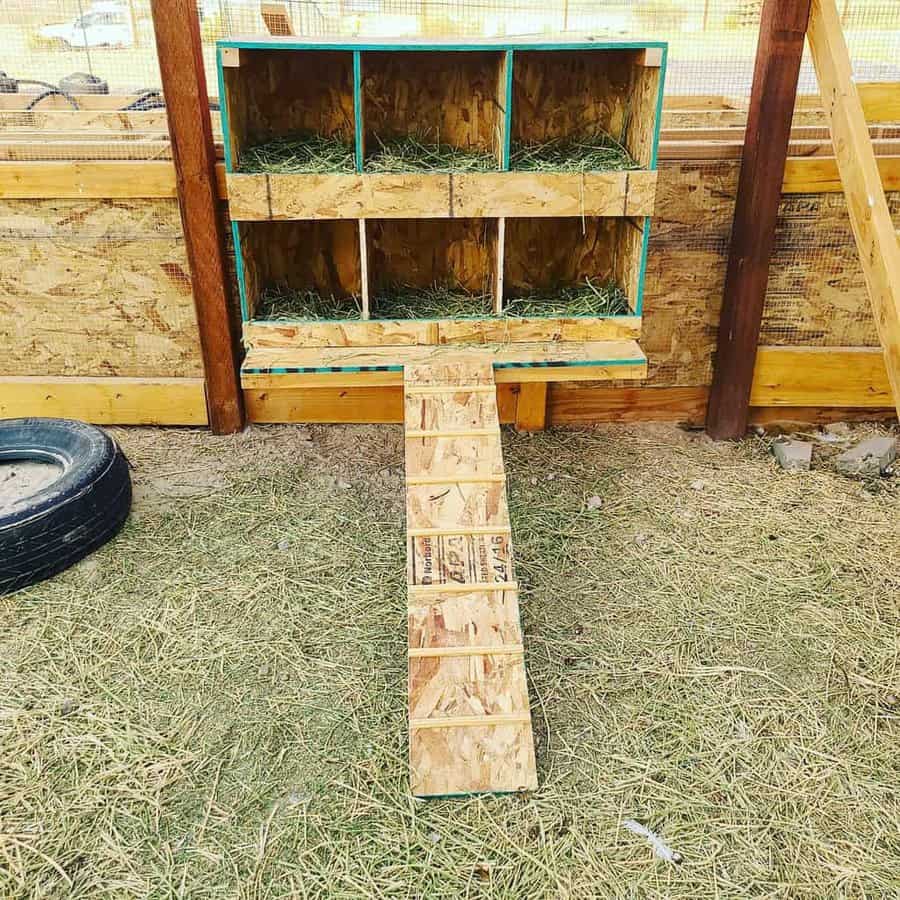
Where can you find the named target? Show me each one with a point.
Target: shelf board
(412, 332)
(255, 198)
(524, 362)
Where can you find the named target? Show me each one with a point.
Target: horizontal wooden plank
(346, 405)
(733, 147)
(411, 332)
(87, 180)
(147, 179)
(585, 404)
(25, 149)
(106, 401)
(819, 175)
(525, 362)
(423, 196)
(820, 376)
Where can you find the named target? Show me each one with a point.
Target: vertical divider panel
(499, 263)
(358, 111)
(365, 281)
(506, 92)
(659, 111)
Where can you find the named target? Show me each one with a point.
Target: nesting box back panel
(560, 94)
(453, 253)
(276, 93)
(320, 255)
(453, 98)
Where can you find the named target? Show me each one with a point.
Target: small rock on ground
(793, 456)
(594, 502)
(870, 457)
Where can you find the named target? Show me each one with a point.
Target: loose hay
(194, 712)
(299, 154)
(420, 154)
(435, 302)
(284, 303)
(596, 153)
(587, 299)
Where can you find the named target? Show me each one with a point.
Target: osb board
(640, 129)
(421, 253)
(564, 93)
(451, 97)
(407, 332)
(685, 274)
(95, 288)
(542, 254)
(470, 721)
(319, 255)
(817, 294)
(628, 257)
(275, 93)
(309, 196)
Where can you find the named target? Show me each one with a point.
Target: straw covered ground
(213, 706)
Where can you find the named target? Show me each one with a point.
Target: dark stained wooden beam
(779, 52)
(178, 46)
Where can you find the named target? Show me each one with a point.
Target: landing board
(469, 717)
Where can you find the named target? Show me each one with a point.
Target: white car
(103, 25)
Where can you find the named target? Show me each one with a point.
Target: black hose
(53, 92)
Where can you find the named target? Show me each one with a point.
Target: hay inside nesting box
(420, 154)
(600, 152)
(279, 302)
(297, 154)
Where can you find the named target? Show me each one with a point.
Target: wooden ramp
(469, 719)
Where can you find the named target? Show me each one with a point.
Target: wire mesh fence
(81, 82)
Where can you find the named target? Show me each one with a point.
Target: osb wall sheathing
(101, 287)
(95, 288)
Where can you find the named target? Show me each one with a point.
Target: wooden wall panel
(456, 97)
(571, 93)
(95, 288)
(543, 253)
(423, 252)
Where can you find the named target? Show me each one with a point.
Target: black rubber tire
(48, 531)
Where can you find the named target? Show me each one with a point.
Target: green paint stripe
(507, 116)
(645, 249)
(462, 48)
(339, 370)
(223, 111)
(487, 320)
(357, 109)
(239, 271)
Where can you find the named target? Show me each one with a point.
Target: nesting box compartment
(457, 98)
(502, 235)
(268, 94)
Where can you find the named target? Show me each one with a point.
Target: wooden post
(178, 46)
(778, 55)
(870, 216)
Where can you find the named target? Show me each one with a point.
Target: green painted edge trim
(357, 110)
(659, 107)
(406, 48)
(239, 271)
(645, 251)
(507, 115)
(398, 367)
(275, 323)
(223, 110)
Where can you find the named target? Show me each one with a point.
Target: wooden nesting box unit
(498, 233)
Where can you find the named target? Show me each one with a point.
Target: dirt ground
(214, 704)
